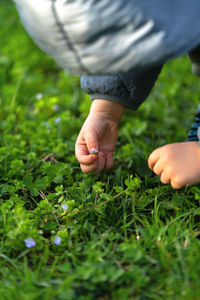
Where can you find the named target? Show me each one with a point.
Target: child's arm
(111, 94)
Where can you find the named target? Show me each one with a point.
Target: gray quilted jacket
(118, 46)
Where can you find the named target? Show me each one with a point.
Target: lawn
(66, 235)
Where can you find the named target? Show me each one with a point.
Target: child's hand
(177, 164)
(100, 133)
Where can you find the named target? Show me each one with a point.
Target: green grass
(125, 235)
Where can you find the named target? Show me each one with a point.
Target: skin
(100, 132)
(176, 164)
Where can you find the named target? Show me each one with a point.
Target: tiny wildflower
(57, 240)
(57, 120)
(64, 206)
(30, 242)
(56, 107)
(39, 96)
(93, 151)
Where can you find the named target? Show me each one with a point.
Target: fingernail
(93, 151)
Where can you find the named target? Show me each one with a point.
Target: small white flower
(39, 96)
(93, 151)
(56, 107)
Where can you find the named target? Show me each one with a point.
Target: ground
(118, 235)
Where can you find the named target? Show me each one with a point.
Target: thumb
(91, 140)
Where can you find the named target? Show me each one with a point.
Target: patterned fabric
(193, 133)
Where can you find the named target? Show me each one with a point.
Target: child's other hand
(177, 164)
(99, 132)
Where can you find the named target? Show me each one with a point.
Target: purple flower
(64, 206)
(57, 240)
(93, 151)
(57, 120)
(30, 242)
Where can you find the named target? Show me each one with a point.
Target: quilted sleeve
(130, 89)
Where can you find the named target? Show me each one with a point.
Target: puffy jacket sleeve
(98, 37)
(129, 89)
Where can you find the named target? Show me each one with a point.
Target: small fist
(177, 164)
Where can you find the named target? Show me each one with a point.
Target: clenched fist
(177, 164)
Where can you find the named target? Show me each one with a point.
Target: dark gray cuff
(109, 87)
(130, 89)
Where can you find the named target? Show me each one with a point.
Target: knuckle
(157, 169)
(149, 161)
(164, 179)
(152, 155)
(177, 182)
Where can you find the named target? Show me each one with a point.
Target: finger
(153, 158)
(82, 155)
(165, 178)
(177, 183)
(101, 162)
(86, 159)
(158, 169)
(89, 168)
(109, 161)
(91, 141)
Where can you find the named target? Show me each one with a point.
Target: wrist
(108, 108)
